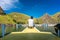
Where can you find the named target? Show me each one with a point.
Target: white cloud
(8, 4)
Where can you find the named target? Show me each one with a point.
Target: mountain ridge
(22, 18)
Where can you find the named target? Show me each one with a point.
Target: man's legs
(30, 27)
(56, 30)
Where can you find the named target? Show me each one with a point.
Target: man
(57, 29)
(31, 22)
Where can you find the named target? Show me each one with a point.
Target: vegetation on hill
(40, 20)
(5, 19)
(57, 16)
(36, 20)
(19, 17)
(47, 19)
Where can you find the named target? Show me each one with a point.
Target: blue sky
(35, 8)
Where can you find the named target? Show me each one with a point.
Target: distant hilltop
(20, 18)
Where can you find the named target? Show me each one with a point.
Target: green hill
(40, 20)
(19, 17)
(5, 19)
(16, 17)
(57, 16)
(36, 20)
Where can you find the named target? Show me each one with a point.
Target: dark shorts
(30, 27)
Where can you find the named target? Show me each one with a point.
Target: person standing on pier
(31, 22)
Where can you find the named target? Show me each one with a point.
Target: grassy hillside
(40, 20)
(55, 16)
(19, 17)
(5, 19)
(36, 21)
(16, 17)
